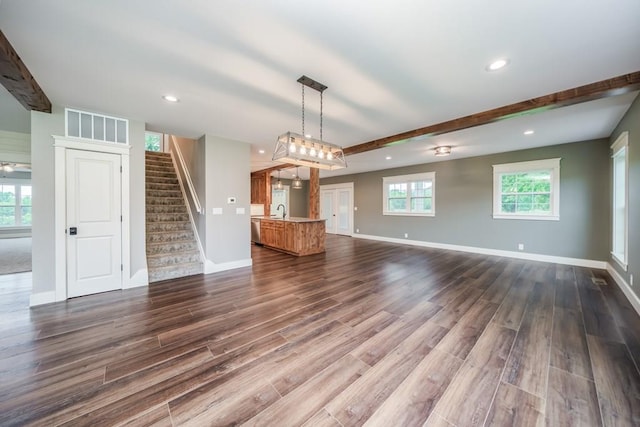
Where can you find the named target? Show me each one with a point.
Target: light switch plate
(216, 211)
(239, 211)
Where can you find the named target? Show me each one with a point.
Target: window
(81, 124)
(620, 199)
(152, 141)
(411, 195)
(527, 190)
(15, 204)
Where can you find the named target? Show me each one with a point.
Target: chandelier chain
(320, 116)
(302, 109)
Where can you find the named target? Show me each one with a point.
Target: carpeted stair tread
(172, 248)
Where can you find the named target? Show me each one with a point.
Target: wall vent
(98, 127)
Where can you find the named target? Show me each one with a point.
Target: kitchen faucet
(284, 210)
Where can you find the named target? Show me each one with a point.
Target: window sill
(528, 217)
(407, 214)
(619, 261)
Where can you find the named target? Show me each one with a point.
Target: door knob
(73, 231)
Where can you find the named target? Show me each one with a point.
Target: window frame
(551, 165)
(408, 179)
(620, 147)
(18, 184)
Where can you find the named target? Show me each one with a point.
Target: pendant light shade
(279, 185)
(297, 182)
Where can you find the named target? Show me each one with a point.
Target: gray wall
(464, 191)
(43, 126)
(298, 199)
(188, 148)
(228, 236)
(137, 191)
(631, 122)
(219, 169)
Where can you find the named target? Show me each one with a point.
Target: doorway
(94, 227)
(91, 217)
(336, 207)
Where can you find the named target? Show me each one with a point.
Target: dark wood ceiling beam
(16, 78)
(602, 89)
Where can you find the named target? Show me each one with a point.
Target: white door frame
(61, 145)
(345, 185)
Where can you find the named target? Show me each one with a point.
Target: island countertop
(287, 219)
(295, 236)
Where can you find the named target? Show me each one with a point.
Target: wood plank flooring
(368, 333)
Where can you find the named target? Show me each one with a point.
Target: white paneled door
(336, 207)
(94, 222)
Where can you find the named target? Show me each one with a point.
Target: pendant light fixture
(306, 151)
(297, 182)
(279, 185)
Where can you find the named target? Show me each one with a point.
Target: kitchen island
(295, 236)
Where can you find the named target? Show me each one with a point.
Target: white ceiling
(390, 67)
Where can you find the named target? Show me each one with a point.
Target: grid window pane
(413, 196)
(25, 195)
(7, 195)
(7, 215)
(526, 192)
(25, 215)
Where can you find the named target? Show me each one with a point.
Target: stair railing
(184, 171)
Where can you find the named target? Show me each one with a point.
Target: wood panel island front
(295, 236)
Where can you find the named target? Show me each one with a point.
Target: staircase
(172, 249)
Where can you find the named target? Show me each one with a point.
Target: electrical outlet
(357, 230)
(406, 235)
(521, 246)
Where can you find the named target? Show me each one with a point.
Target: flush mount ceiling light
(443, 150)
(497, 64)
(170, 98)
(297, 182)
(306, 151)
(529, 132)
(388, 158)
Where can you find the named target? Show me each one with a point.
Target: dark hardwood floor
(368, 333)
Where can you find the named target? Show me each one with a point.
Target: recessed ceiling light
(529, 132)
(388, 158)
(170, 98)
(261, 151)
(497, 64)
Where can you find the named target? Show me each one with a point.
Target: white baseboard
(211, 267)
(625, 288)
(41, 298)
(140, 278)
(497, 252)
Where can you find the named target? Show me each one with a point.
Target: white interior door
(336, 207)
(94, 222)
(327, 210)
(344, 211)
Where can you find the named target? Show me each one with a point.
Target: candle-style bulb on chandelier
(305, 151)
